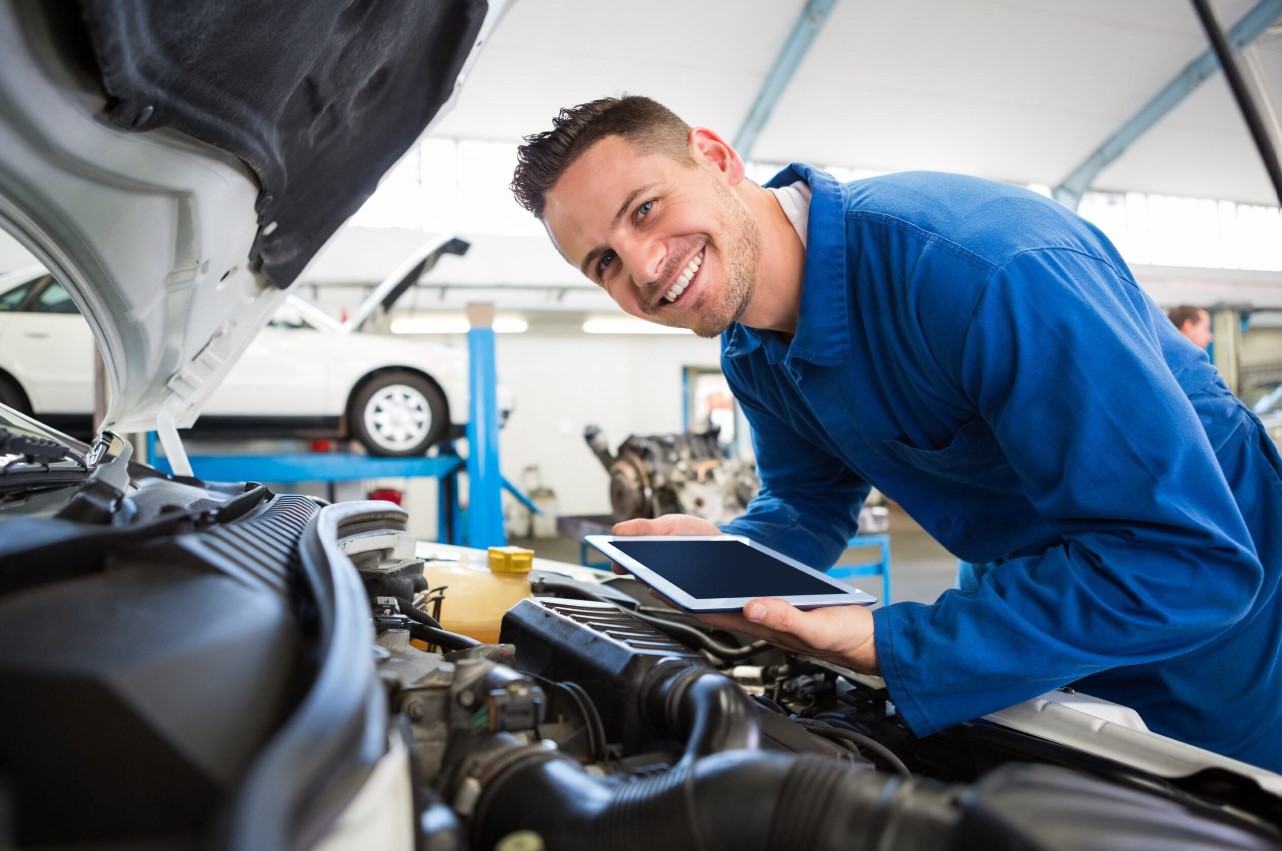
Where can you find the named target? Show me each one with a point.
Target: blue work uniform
(984, 357)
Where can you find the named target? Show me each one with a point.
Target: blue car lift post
(880, 567)
(484, 517)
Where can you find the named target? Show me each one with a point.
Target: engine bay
(217, 673)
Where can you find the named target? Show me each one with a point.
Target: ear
(707, 146)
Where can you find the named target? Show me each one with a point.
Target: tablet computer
(721, 573)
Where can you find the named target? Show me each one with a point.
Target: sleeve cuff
(894, 670)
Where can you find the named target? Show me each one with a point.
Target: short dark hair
(649, 125)
(1185, 313)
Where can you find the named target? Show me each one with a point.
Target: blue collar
(822, 327)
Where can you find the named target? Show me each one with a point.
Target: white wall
(625, 384)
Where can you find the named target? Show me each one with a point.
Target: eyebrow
(614, 223)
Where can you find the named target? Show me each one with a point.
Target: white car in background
(305, 374)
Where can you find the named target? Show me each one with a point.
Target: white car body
(300, 375)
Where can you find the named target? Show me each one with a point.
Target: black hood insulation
(319, 97)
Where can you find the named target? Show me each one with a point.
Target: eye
(644, 209)
(603, 263)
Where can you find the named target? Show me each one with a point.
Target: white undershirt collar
(795, 201)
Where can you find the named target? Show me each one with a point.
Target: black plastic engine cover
(604, 649)
(133, 699)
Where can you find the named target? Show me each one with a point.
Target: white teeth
(683, 280)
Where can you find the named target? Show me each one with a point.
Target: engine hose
(702, 707)
(738, 799)
(829, 731)
(415, 613)
(704, 642)
(427, 628)
(690, 633)
(441, 638)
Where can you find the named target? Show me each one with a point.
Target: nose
(642, 257)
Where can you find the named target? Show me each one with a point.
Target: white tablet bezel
(843, 594)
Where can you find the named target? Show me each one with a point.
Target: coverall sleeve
(1061, 360)
(809, 501)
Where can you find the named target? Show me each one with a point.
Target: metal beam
(484, 479)
(1246, 30)
(1242, 94)
(812, 20)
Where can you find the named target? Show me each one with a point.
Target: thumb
(772, 613)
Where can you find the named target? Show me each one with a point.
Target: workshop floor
(920, 569)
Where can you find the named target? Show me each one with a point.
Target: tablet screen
(722, 568)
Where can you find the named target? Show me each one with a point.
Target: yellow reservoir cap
(511, 559)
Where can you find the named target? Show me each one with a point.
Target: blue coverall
(984, 357)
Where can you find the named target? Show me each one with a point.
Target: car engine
(217, 666)
(606, 720)
(674, 474)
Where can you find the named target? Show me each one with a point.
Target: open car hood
(176, 165)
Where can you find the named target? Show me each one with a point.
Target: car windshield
(12, 300)
(53, 299)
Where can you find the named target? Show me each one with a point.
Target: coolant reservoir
(478, 595)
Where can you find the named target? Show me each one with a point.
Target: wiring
(821, 728)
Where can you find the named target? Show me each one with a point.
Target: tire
(398, 413)
(11, 394)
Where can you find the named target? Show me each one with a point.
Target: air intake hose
(722, 793)
(702, 707)
(739, 799)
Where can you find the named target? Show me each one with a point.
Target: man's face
(669, 241)
(1199, 330)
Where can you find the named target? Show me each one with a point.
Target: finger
(732, 622)
(738, 623)
(636, 526)
(668, 524)
(665, 601)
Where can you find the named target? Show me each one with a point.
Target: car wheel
(11, 394)
(398, 413)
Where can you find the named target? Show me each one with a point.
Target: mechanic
(985, 358)
(1194, 323)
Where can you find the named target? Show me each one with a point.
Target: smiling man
(984, 357)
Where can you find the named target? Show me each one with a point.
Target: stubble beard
(741, 253)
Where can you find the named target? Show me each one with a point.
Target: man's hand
(839, 634)
(668, 524)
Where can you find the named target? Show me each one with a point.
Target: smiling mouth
(683, 280)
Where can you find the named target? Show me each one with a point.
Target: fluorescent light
(454, 325)
(627, 325)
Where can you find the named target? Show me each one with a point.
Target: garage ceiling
(1016, 90)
